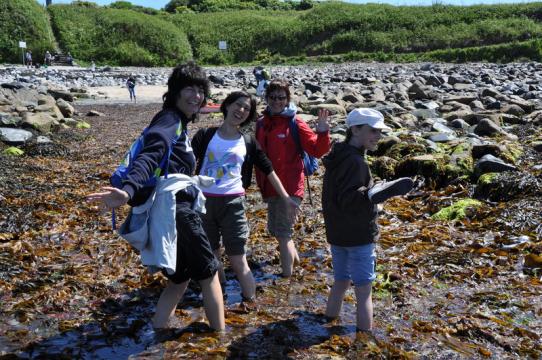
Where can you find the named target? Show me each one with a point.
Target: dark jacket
(162, 130)
(349, 215)
(254, 156)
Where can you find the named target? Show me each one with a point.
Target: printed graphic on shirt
(227, 167)
(223, 162)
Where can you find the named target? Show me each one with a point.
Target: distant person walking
(69, 59)
(48, 58)
(28, 58)
(262, 79)
(130, 85)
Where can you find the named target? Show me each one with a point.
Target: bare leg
(335, 299)
(221, 274)
(288, 256)
(364, 314)
(167, 303)
(244, 275)
(212, 302)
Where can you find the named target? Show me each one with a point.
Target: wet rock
(384, 167)
(65, 108)
(537, 145)
(61, 94)
(489, 163)
(95, 113)
(9, 120)
(486, 127)
(441, 137)
(513, 109)
(333, 109)
(14, 136)
(459, 124)
(42, 122)
(507, 186)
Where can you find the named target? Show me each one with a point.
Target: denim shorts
(278, 223)
(225, 222)
(356, 263)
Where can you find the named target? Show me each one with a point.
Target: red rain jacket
(273, 134)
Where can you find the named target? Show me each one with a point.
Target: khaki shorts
(226, 224)
(278, 223)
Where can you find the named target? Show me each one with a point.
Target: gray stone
(537, 145)
(442, 137)
(61, 94)
(42, 122)
(43, 140)
(489, 163)
(65, 108)
(486, 127)
(95, 113)
(14, 136)
(459, 124)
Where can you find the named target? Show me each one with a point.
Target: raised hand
(110, 197)
(323, 117)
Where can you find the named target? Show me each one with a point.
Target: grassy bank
(23, 20)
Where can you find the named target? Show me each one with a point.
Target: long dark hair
(232, 97)
(185, 75)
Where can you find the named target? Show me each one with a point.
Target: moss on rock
(458, 210)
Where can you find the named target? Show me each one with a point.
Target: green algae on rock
(458, 210)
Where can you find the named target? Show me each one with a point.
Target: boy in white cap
(349, 202)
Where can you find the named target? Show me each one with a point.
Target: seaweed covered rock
(384, 167)
(507, 185)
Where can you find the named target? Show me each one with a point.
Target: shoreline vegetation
(270, 32)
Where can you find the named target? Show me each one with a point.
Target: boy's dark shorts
(195, 259)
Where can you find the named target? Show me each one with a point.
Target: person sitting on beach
(188, 88)
(228, 156)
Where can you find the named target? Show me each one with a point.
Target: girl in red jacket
(273, 134)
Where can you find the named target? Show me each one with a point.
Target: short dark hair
(184, 75)
(278, 85)
(349, 132)
(232, 97)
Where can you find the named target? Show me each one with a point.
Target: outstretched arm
(110, 197)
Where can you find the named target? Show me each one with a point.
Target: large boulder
(65, 108)
(43, 122)
(14, 136)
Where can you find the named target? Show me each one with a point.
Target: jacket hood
(338, 153)
(289, 111)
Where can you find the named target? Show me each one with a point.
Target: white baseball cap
(366, 116)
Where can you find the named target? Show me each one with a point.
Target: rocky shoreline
(450, 121)
(459, 258)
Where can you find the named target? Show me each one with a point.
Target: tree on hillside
(121, 5)
(171, 7)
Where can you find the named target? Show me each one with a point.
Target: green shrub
(23, 20)
(118, 37)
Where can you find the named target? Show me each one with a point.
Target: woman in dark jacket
(188, 89)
